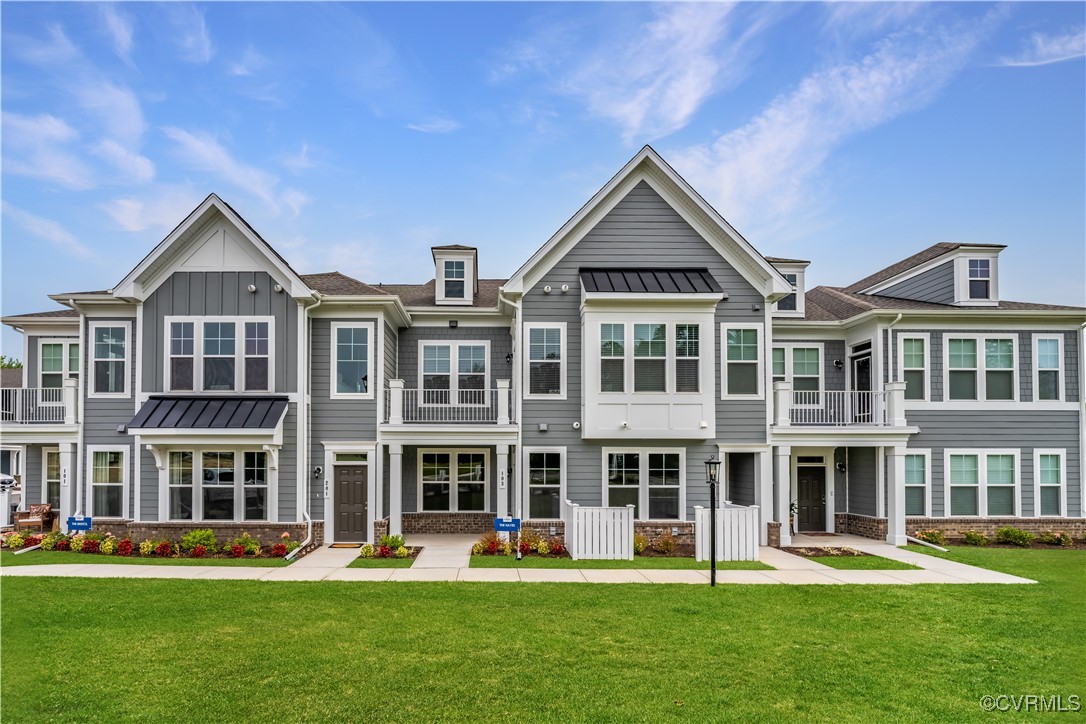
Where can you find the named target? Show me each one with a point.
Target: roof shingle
(932, 252)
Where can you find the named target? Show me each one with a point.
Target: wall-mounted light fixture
(838, 364)
(840, 467)
(252, 289)
(278, 288)
(509, 358)
(318, 471)
(453, 324)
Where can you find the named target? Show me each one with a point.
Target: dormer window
(980, 279)
(454, 280)
(793, 270)
(788, 304)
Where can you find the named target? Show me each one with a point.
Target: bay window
(612, 358)
(687, 353)
(650, 358)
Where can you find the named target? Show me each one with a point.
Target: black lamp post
(712, 471)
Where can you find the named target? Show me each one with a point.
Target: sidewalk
(327, 564)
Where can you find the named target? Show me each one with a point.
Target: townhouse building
(214, 386)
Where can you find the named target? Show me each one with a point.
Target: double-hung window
(51, 489)
(441, 385)
(687, 357)
(352, 350)
(982, 483)
(218, 485)
(108, 479)
(545, 473)
(436, 374)
(546, 359)
(220, 362)
(741, 366)
(650, 358)
(964, 484)
(1048, 497)
(255, 488)
(454, 279)
(914, 366)
(219, 354)
(649, 480)
(182, 355)
(453, 481)
(916, 483)
(612, 358)
(1048, 368)
(58, 359)
(980, 279)
(1000, 482)
(788, 303)
(802, 364)
(109, 358)
(256, 356)
(981, 368)
(180, 485)
(471, 374)
(624, 480)
(664, 483)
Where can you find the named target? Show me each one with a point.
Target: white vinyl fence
(736, 533)
(599, 533)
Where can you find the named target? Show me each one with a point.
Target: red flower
(524, 548)
(199, 551)
(63, 545)
(32, 540)
(163, 549)
(90, 546)
(384, 552)
(124, 548)
(492, 546)
(279, 550)
(237, 551)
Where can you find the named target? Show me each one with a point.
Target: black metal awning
(206, 413)
(649, 281)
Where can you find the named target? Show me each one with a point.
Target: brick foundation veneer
(861, 525)
(380, 528)
(462, 523)
(685, 536)
(773, 534)
(956, 527)
(543, 527)
(267, 533)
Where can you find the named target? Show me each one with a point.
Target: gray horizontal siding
(741, 478)
(862, 483)
(32, 475)
(220, 294)
(1019, 430)
(935, 285)
(501, 344)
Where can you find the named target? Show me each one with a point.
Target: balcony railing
(454, 407)
(39, 405)
(839, 408)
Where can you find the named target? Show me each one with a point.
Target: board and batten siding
(645, 228)
(935, 285)
(218, 294)
(997, 430)
(501, 344)
(338, 420)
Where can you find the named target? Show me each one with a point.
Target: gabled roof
(649, 166)
(921, 257)
(338, 284)
(51, 314)
(781, 260)
(831, 304)
(454, 247)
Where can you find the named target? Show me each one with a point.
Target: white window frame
(643, 478)
(924, 337)
(468, 258)
(527, 361)
(600, 358)
(961, 279)
(1061, 380)
(272, 476)
(801, 308)
(454, 371)
(759, 372)
(67, 372)
(193, 486)
(45, 453)
(92, 329)
(454, 481)
(982, 368)
(982, 480)
(1062, 455)
(789, 365)
(244, 357)
(554, 450)
(126, 478)
(926, 454)
(239, 351)
(370, 352)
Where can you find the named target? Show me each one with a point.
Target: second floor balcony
(839, 408)
(405, 406)
(26, 406)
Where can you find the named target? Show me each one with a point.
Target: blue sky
(355, 136)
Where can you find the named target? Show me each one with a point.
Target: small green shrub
(108, 546)
(203, 537)
(975, 538)
(366, 551)
(934, 536)
(392, 541)
(1052, 538)
(147, 547)
(664, 544)
(1015, 536)
(640, 543)
(50, 541)
(247, 542)
(402, 552)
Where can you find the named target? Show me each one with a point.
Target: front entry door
(350, 503)
(861, 382)
(812, 499)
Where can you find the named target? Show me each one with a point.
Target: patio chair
(40, 516)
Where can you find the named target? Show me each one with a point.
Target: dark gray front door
(350, 503)
(812, 499)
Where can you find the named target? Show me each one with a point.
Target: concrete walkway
(448, 561)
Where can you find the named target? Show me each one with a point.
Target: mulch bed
(819, 552)
(681, 551)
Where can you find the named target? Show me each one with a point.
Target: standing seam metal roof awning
(202, 413)
(649, 281)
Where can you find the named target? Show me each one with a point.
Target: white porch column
(70, 395)
(503, 402)
(895, 495)
(395, 483)
(784, 491)
(895, 404)
(764, 493)
(68, 488)
(395, 404)
(501, 472)
(5, 508)
(782, 403)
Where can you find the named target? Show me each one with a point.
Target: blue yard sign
(79, 522)
(507, 525)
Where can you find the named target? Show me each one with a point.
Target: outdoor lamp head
(712, 469)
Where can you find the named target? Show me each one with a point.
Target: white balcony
(839, 408)
(39, 405)
(448, 407)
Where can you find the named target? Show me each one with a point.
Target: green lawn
(381, 563)
(182, 651)
(864, 563)
(637, 562)
(40, 557)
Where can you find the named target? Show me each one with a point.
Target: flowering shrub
(384, 552)
(402, 552)
(124, 548)
(90, 545)
(108, 546)
(237, 550)
(934, 536)
(279, 550)
(557, 547)
(975, 538)
(202, 537)
(147, 547)
(1015, 536)
(76, 542)
(50, 541)
(198, 551)
(14, 541)
(365, 551)
(285, 537)
(493, 545)
(542, 547)
(524, 548)
(64, 545)
(163, 549)
(640, 543)
(1056, 538)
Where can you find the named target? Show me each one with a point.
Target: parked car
(8, 483)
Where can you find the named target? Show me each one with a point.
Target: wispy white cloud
(203, 152)
(191, 34)
(762, 174)
(116, 107)
(435, 125)
(41, 147)
(249, 63)
(119, 25)
(53, 50)
(158, 209)
(47, 230)
(1045, 49)
(132, 165)
(300, 161)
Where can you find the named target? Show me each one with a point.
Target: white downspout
(308, 428)
(514, 374)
